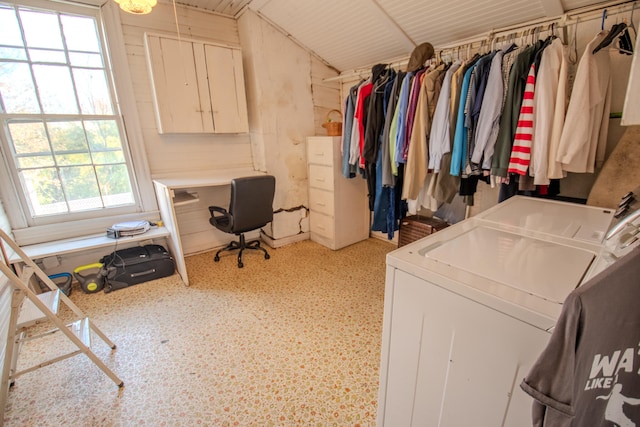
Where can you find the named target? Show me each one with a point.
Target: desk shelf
(181, 198)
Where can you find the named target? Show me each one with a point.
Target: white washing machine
(469, 309)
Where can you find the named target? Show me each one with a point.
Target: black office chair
(250, 208)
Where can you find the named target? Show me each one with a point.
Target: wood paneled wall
(180, 152)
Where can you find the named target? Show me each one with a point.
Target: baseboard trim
(383, 236)
(276, 243)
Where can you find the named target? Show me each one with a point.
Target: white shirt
(553, 59)
(586, 126)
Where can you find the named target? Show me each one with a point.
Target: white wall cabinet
(198, 87)
(338, 206)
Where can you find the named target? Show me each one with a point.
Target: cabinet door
(178, 86)
(226, 89)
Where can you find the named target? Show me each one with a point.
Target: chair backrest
(251, 202)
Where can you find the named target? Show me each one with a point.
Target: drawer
(321, 177)
(321, 201)
(320, 151)
(321, 224)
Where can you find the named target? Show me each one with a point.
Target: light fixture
(137, 7)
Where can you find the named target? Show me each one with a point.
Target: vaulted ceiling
(349, 34)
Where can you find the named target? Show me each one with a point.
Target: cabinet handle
(322, 204)
(320, 179)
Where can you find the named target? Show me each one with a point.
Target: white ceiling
(350, 34)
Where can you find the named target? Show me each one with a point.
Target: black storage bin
(131, 266)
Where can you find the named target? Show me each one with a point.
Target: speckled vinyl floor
(290, 341)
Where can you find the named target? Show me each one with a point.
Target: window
(63, 138)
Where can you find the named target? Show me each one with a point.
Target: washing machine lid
(539, 267)
(574, 221)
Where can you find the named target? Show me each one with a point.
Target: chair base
(242, 245)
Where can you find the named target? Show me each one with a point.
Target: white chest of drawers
(339, 213)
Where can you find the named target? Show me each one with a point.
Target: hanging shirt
(411, 112)
(477, 89)
(489, 118)
(456, 86)
(507, 64)
(354, 149)
(380, 75)
(393, 132)
(584, 136)
(511, 110)
(554, 169)
(440, 138)
(550, 94)
(418, 152)
(521, 150)
(387, 174)
(360, 117)
(460, 139)
(403, 105)
(348, 171)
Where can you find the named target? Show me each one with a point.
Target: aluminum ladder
(29, 309)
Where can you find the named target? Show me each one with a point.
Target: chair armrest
(213, 209)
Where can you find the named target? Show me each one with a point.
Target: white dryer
(469, 309)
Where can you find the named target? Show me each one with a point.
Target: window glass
(9, 28)
(44, 55)
(41, 29)
(31, 145)
(56, 108)
(80, 34)
(92, 90)
(17, 89)
(55, 89)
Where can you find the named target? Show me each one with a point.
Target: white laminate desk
(168, 194)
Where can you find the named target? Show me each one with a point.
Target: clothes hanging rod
(569, 18)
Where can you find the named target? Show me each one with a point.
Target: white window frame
(28, 230)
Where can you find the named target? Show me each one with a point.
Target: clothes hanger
(625, 46)
(553, 31)
(537, 33)
(613, 33)
(494, 42)
(383, 79)
(632, 25)
(573, 50)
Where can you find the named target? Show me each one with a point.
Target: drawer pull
(320, 179)
(322, 204)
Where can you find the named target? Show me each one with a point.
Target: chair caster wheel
(216, 258)
(240, 265)
(267, 256)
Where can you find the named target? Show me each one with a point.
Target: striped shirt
(521, 150)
